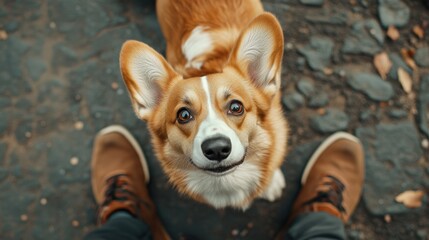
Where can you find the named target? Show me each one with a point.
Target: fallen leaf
(410, 199)
(419, 31)
(387, 218)
(405, 80)
(407, 55)
(3, 35)
(393, 33)
(383, 64)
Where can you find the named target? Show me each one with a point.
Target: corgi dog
(213, 107)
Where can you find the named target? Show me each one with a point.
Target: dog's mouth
(224, 169)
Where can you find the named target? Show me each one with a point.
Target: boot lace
(330, 191)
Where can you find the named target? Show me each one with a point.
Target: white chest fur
(229, 190)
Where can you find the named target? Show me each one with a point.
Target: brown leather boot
(119, 178)
(332, 180)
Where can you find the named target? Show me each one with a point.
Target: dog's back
(200, 34)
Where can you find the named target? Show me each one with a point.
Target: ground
(60, 84)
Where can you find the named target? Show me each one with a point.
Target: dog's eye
(184, 116)
(236, 108)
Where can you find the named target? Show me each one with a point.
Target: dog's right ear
(146, 75)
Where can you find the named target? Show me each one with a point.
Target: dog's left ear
(259, 52)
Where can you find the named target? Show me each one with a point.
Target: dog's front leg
(275, 188)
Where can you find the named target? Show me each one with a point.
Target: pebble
(387, 218)
(11, 26)
(423, 105)
(235, 232)
(244, 233)
(306, 87)
(422, 57)
(3, 35)
(78, 125)
(319, 99)
(312, 2)
(331, 16)
(293, 100)
(366, 37)
(74, 161)
(318, 52)
(425, 143)
(333, 120)
(422, 234)
(75, 223)
(393, 12)
(397, 62)
(24, 217)
(43, 201)
(397, 113)
(114, 85)
(371, 85)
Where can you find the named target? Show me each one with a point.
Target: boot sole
(325, 144)
(124, 132)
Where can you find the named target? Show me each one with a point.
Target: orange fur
(262, 129)
(225, 18)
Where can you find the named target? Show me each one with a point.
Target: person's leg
(316, 225)
(331, 186)
(119, 175)
(121, 225)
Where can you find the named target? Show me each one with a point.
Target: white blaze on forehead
(205, 84)
(198, 42)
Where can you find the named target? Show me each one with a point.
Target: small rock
(235, 232)
(333, 120)
(306, 87)
(318, 52)
(387, 218)
(244, 233)
(318, 100)
(393, 12)
(300, 63)
(312, 2)
(329, 16)
(422, 57)
(293, 100)
(11, 26)
(24, 217)
(423, 105)
(75, 223)
(371, 85)
(366, 37)
(36, 67)
(114, 85)
(43, 201)
(397, 113)
(78, 125)
(425, 143)
(74, 161)
(398, 62)
(354, 234)
(365, 115)
(422, 234)
(3, 35)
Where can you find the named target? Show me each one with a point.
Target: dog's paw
(275, 189)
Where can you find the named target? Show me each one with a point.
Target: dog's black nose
(216, 149)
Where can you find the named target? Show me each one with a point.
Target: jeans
(313, 225)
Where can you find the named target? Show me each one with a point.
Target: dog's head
(208, 123)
